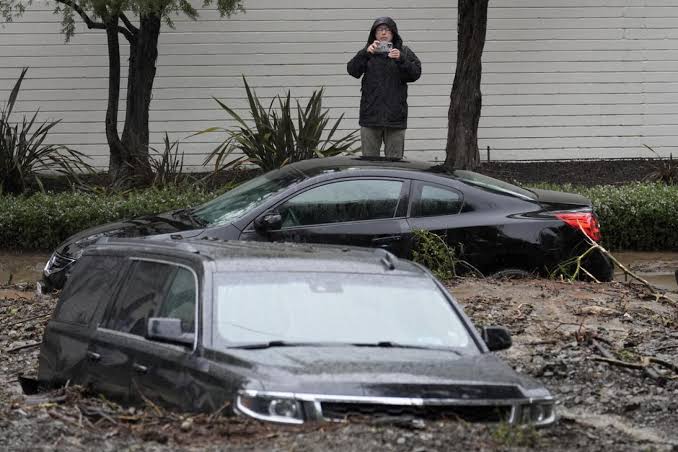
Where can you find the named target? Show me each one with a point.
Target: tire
(600, 266)
(512, 273)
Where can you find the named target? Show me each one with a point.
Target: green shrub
(23, 153)
(638, 216)
(433, 252)
(43, 220)
(275, 140)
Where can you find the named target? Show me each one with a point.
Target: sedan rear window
(490, 183)
(334, 308)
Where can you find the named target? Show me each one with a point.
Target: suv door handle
(93, 356)
(139, 368)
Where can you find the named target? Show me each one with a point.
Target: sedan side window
(180, 300)
(436, 201)
(140, 298)
(348, 200)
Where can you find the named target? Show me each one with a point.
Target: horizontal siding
(561, 78)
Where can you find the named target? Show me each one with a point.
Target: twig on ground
(616, 362)
(212, 417)
(22, 347)
(655, 291)
(29, 319)
(663, 363)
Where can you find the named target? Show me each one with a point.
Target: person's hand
(373, 47)
(394, 54)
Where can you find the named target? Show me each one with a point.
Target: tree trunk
(135, 165)
(117, 151)
(466, 98)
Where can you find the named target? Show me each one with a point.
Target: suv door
(115, 344)
(167, 373)
(80, 308)
(358, 211)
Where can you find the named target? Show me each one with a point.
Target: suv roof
(265, 256)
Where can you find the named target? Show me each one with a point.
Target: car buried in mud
(496, 227)
(288, 333)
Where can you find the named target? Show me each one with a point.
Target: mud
(560, 330)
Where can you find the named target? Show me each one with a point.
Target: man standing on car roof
(387, 66)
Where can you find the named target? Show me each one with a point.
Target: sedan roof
(313, 167)
(245, 256)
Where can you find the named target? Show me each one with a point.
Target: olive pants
(372, 137)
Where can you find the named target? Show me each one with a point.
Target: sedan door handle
(93, 356)
(139, 368)
(386, 240)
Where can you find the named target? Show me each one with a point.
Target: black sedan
(287, 333)
(494, 226)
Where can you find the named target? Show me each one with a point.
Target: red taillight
(585, 221)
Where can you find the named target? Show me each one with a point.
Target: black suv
(279, 332)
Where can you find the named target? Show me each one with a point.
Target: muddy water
(21, 267)
(657, 267)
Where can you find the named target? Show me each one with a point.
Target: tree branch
(128, 24)
(92, 24)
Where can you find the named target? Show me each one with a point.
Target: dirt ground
(561, 332)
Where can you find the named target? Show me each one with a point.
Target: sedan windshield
(330, 308)
(237, 202)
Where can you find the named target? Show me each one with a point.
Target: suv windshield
(235, 203)
(334, 308)
(490, 183)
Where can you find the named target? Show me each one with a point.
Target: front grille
(344, 410)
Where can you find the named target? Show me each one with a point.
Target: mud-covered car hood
(386, 372)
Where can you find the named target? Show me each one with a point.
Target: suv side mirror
(497, 338)
(268, 221)
(168, 330)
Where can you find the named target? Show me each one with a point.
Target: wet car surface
(288, 333)
(493, 225)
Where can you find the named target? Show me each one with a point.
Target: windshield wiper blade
(392, 344)
(269, 344)
(187, 213)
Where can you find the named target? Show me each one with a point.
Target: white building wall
(561, 78)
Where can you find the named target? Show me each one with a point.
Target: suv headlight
(538, 414)
(270, 408)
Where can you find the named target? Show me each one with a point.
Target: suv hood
(385, 372)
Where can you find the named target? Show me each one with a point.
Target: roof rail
(387, 259)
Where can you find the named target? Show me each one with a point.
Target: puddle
(657, 268)
(20, 267)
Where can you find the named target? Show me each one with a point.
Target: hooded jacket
(383, 102)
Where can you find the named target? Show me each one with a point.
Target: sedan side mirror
(497, 338)
(168, 330)
(268, 221)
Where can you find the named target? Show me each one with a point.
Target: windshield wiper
(269, 344)
(187, 213)
(391, 344)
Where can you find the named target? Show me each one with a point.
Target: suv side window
(180, 300)
(140, 298)
(348, 200)
(434, 200)
(90, 287)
